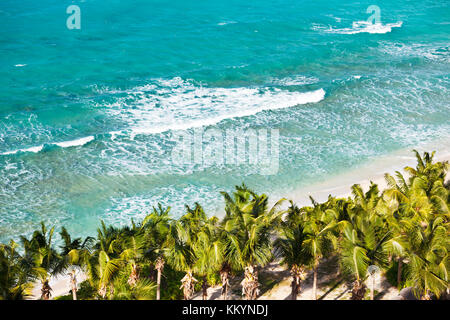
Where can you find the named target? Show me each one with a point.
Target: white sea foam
(297, 80)
(224, 23)
(177, 104)
(64, 144)
(73, 143)
(437, 51)
(20, 65)
(32, 149)
(360, 27)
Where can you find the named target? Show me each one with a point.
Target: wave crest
(178, 104)
(64, 144)
(360, 27)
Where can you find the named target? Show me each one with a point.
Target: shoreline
(374, 169)
(338, 186)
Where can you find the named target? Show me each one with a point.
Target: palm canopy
(366, 238)
(155, 228)
(183, 236)
(248, 227)
(429, 259)
(14, 278)
(290, 246)
(41, 259)
(75, 253)
(319, 227)
(428, 170)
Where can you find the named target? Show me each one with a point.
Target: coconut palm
(209, 251)
(319, 239)
(413, 202)
(132, 255)
(290, 247)
(155, 228)
(428, 170)
(429, 259)
(75, 256)
(366, 239)
(14, 279)
(105, 262)
(182, 240)
(107, 269)
(181, 256)
(248, 227)
(41, 258)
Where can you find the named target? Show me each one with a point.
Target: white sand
(61, 285)
(340, 185)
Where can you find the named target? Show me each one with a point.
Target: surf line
(64, 144)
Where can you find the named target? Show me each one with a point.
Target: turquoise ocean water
(87, 116)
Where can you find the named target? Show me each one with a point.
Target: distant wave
(73, 143)
(224, 23)
(436, 52)
(32, 149)
(178, 104)
(64, 144)
(360, 27)
(297, 80)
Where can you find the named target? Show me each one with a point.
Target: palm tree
(105, 262)
(427, 170)
(248, 227)
(429, 259)
(107, 270)
(75, 256)
(131, 255)
(41, 258)
(14, 279)
(415, 201)
(290, 247)
(319, 238)
(367, 240)
(209, 250)
(182, 240)
(155, 228)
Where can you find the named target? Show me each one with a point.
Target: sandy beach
(374, 170)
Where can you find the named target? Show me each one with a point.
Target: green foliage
(171, 284)
(86, 291)
(407, 222)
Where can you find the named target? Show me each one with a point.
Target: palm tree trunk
(102, 291)
(204, 288)
(134, 276)
(399, 272)
(225, 287)
(46, 290)
(372, 287)
(158, 285)
(358, 290)
(298, 275)
(159, 266)
(224, 274)
(250, 283)
(188, 285)
(73, 282)
(315, 282)
(295, 290)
